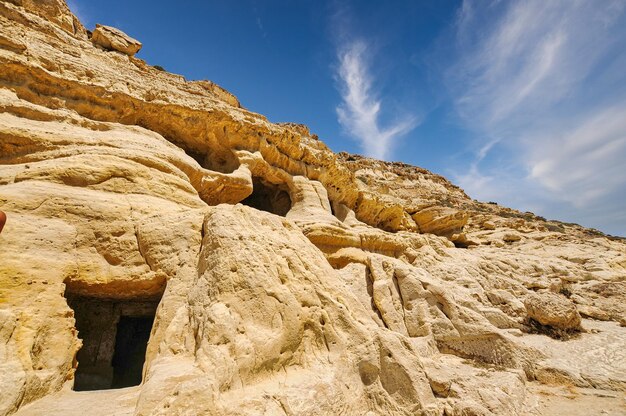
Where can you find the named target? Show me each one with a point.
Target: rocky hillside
(263, 273)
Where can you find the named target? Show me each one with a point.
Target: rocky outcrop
(552, 310)
(55, 11)
(115, 40)
(274, 276)
(440, 220)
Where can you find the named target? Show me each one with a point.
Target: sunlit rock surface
(289, 279)
(114, 39)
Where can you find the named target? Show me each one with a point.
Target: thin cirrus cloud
(542, 86)
(360, 111)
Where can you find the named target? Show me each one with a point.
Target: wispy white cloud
(537, 82)
(259, 24)
(360, 111)
(591, 158)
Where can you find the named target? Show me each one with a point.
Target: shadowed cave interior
(268, 197)
(115, 336)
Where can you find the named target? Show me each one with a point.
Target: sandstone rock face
(53, 10)
(114, 39)
(440, 220)
(552, 310)
(266, 274)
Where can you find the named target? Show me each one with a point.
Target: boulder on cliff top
(553, 310)
(114, 39)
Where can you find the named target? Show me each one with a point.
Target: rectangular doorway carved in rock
(131, 341)
(115, 335)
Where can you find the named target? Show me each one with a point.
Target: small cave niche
(460, 244)
(115, 335)
(218, 160)
(268, 197)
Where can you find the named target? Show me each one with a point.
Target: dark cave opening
(115, 335)
(131, 342)
(268, 197)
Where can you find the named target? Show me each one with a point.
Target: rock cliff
(267, 274)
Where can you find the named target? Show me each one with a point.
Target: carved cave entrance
(115, 334)
(268, 197)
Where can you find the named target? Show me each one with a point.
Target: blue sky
(518, 102)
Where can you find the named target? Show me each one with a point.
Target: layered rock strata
(289, 279)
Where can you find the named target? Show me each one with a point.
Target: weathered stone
(55, 11)
(440, 220)
(593, 312)
(115, 40)
(552, 310)
(511, 237)
(488, 225)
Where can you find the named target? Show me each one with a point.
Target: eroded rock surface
(114, 39)
(553, 310)
(289, 279)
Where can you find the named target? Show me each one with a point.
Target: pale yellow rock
(114, 39)
(488, 225)
(56, 11)
(440, 220)
(511, 237)
(292, 280)
(552, 310)
(593, 312)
